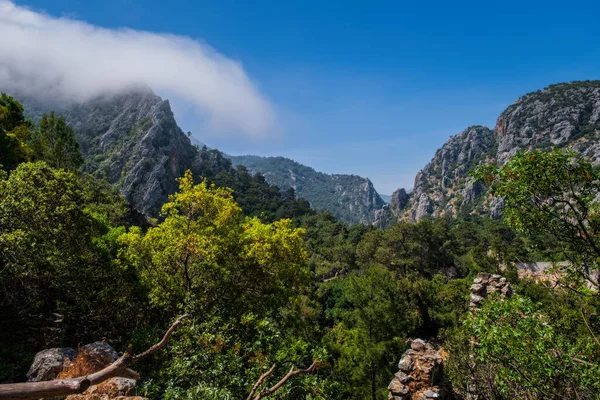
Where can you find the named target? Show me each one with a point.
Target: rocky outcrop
(485, 284)
(444, 184)
(350, 198)
(557, 115)
(48, 363)
(398, 201)
(565, 115)
(131, 139)
(59, 363)
(421, 374)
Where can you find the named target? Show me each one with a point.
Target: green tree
(374, 316)
(55, 143)
(553, 193)
(206, 256)
(15, 132)
(519, 354)
(56, 251)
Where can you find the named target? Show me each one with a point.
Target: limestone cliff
(564, 115)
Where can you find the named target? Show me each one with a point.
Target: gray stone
(431, 394)
(48, 363)
(397, 388)
(507, 290)
(477, 288)
(402, 377)
(476, 299)
(101, 351)
(418, 345)
(406, 364)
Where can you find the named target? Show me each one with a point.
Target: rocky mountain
(564, 115)
(133, 141)
(350, 198)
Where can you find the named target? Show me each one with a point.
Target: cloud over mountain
(68, 59)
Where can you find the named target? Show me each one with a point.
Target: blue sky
(370, 88)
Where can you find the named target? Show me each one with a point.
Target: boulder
(48, 363)
(100, 351)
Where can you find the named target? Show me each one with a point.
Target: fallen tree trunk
(64, 387)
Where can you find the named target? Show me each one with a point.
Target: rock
(421, 374)
(418, 345)
(485, 284)
(497, 208)
(565, 115)
(477, 288)
(476, 298)
(399, 201)
(383, 217)
(397, 388)
(507, 291)
(406, 364)
(112, 389)
(100, 351)
(432, 394)
(48, 363)
(402, 377)
(483, 277)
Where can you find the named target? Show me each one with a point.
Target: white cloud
(71, 59)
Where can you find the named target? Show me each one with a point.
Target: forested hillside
(350, 198)
(273, 287)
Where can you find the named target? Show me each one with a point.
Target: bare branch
(260, 381)
(283, 380)
(164, 340)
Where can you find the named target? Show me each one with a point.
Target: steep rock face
(557, 115)
(398, 201)
(351, 198)
(444, 184)
(132, 140)
(391, 212)
(564, 115)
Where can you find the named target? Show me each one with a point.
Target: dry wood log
(64, 387)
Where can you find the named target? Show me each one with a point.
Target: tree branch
(260, 381)
(292, 373)
(164, 340)
(64, 387)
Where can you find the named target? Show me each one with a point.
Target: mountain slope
(350, 198)
(132, 140)
(564, 115)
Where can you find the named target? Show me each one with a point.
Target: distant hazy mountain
(351, 198)
(385, 197)
(563, 115)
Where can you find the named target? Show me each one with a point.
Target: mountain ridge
(562, 114)
(350, 198)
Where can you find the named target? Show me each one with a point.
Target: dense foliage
(270, 282)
